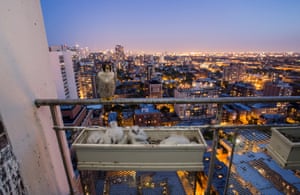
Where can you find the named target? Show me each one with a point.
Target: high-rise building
(61, 60)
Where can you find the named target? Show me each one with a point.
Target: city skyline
(165, 26)
(50, 100)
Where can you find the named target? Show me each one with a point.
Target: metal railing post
(230, 162)
(212, 162)
(214, 150)
(54, 115)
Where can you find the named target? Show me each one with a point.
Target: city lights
(150, 97)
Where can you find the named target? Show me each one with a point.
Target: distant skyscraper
(62, 64)
(119, 53)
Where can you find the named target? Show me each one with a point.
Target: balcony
(121, 158)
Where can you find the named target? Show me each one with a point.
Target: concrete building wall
(24, 74)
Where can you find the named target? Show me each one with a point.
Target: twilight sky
(175, 25)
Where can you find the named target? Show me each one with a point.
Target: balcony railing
(215, 126)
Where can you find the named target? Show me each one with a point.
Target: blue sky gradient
(175, 25)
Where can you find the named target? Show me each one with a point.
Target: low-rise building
(277, 89)
(147, 115)
(196, 111)
(241, 89)
(271, 119)
(263, 108)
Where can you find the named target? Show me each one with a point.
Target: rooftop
(246, 166)
(264, 105)
(242, 107)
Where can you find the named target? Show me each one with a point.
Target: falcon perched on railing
(106, 82)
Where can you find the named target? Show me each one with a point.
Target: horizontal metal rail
(252, 126)
(220, 100)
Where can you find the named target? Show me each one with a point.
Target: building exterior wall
(24, 62)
